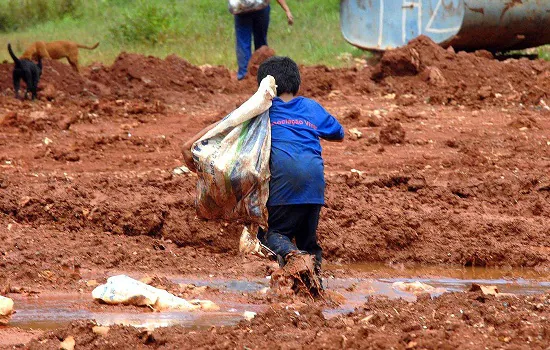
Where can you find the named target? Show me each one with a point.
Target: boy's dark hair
(284, 70)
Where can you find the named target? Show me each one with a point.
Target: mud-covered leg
(283, 219)
(28, 81)
(73, 61)
(306, 238)
(34, 86)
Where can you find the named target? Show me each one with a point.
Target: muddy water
(462, 273)
(52, 311)
(358, 290)
(48, 312)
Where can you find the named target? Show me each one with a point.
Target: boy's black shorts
(293, 222)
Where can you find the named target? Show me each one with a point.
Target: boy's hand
(289, 17)
(188, 159)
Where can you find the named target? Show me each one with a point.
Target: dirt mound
(139, 76)
(6, 70)
(442, 76)
(320, 81)
(133, 74)
(258, 57)
(422, 69)
(58, 79)
(64, 79)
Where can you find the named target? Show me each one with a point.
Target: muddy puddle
(49, 311)
(52, 311)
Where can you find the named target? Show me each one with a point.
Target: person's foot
(317, 271)
(296, 261)
(298, 273)
(293, 254)
(320, 280)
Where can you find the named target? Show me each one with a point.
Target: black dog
(28, 71)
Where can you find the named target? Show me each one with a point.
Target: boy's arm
(334, 140)
(186, 148)
(330, 129)
(287, 11)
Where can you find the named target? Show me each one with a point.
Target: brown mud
(452, 169)
(297, 277)
(466, 320)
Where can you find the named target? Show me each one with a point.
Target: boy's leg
(306, 237)
(243, 35)
(260, 27)
(282, 222)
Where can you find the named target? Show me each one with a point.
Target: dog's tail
(15, 59)
(40, 63)
(88, 47)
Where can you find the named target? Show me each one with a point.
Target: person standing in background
(252, 19)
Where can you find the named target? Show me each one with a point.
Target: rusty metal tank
(495, 25)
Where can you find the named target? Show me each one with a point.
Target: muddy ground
(452, 168)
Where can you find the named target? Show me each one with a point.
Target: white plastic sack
(417, 287)
(6, 309)
(122, 289)
(243, 6)
(232, 162)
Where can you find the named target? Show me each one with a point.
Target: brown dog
(56, 50)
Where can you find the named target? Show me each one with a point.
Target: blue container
(495, 25)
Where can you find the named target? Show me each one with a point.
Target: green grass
(20, 14)
(201, 31)
(544, 52)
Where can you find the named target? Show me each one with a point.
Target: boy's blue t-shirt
(296, 164)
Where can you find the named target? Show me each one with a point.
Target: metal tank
(495, 25)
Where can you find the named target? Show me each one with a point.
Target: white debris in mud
(416, 287)
(355, 134)
(101, 330)
(6, 309)
(122, 289)
(68, 343)
(249, 315)
(181, 170)
(248, 243)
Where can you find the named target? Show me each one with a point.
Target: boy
(297, 185)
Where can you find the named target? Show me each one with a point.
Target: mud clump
(523, 123)
(392, 134)
(353, 114)
(297, 277)
(434, 76)
(484, 54)
(398, 63)
(258, 57)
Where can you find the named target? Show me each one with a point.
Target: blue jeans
(298, 222)
(246, 25)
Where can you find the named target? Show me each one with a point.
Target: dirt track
(454, 164)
